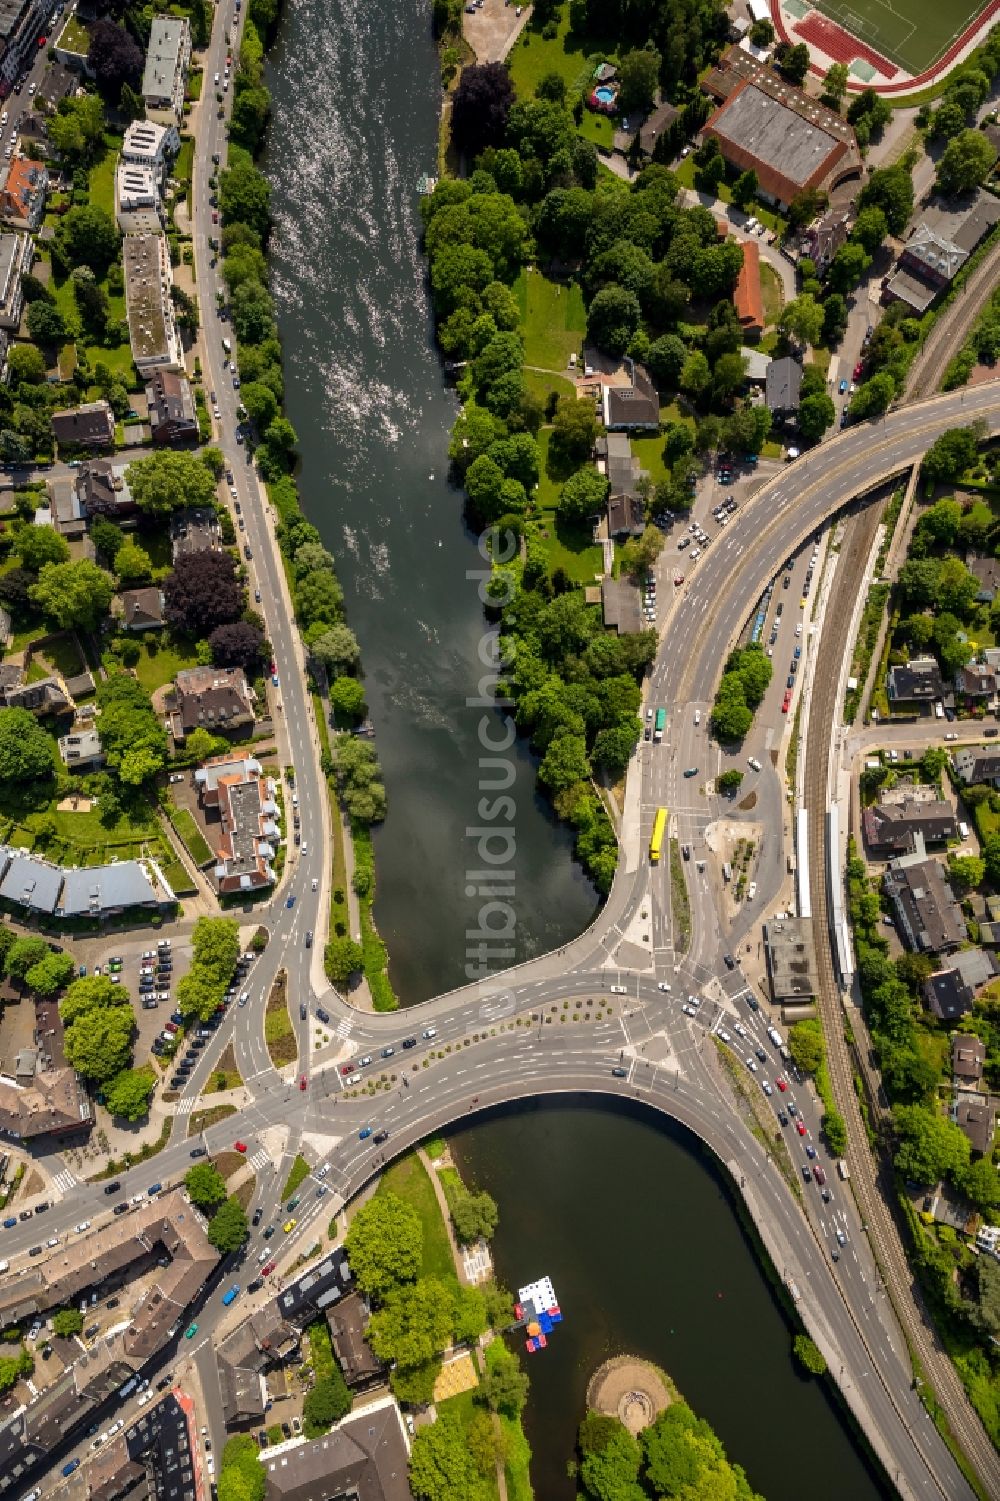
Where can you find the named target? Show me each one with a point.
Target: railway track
(872, 1180)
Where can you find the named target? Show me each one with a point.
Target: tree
(133, 564)
(873, 397)
(505, 1385)
(98, 1044)
(24, 954)
(870, 228)
(967, 871)
(25, 749)
(745, 188)
(384, 1244)
(480, 107)
(114, 57)
(241, 1475)
(66, 1322)
(206, 1185)
(25, 364)
(762, 33)
(729, 782)
(808, 1356)
(565, 763)
(199, 992)
(835, 82)
(847, 267)
(582, 496)
(245, 197)
(929, 1145)
(50, 974)
(793, 62)
(442, 1468)
(86, 236)
(91, 993)
(38, 545)
(816, 414)
(802, 319)
(612, 319)
(169, 480)
(238, 644)
(891, 190)
(413, 1323)
(260, 402)
(474, 1215)
(806, 1045)
(73, 594)
(128, 1094)
(133, 739)
(342, 958)
(614, 745)
(336, 647)
(666, 359)
(965, 163)
(949, 456)
(574, 430)
(228, 1227)
(319, 600)
(46, 324)
(202, 592)
(326, 1403)
(347, 698)
(639, 75)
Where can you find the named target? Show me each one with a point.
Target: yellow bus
(656, 839)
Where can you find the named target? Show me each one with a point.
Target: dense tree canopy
(170, 480)
(385, 1244)
(25, 749)
(133, 739)
(128, 1094)
(202, 591)
(73, 594)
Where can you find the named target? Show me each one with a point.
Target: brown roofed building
(925, 906)
(142, 609)
(348, 1321)
(891, 828)
(104, 491)
(22, 198)
(246, 845)
(968, 1054)
(364, 1458)
(172, 414)
(976, 1122)
(657, 124)
(52, 1101)
(209, 698)
(636, 405)
(747, 296)
(89, 426)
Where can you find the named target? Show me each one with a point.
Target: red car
(800, 1128)
(781, 1085)
(240, 1146)
(859, 370)
(215, 217)
(346, 1068)
(303, 1081)
(785, 702)
(678, 579)
(266, 1271)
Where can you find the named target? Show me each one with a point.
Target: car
(690, 771)
(121, 1209)
(388, 1052)
(752, 1065)
(807, 1172)
(303, 1082)
(248, 553)
(782, 1118)
(786, 701)
(380, 1137)
(409, 1042)
(309, 938)
(83, 1225)
(113, 1188)
(800, 1127)
(364, 1133)
(686, 851)
(274, 679)
(663, 985)
(819, 1173)
(951, 735)
(689, 1010)
(859, 370)
(841, 1238)
(991, 733)
(798, 629)
(269, 1267)
(751, 891)
(354, 1079)
(781, 1085)
(290, 902)
(765, 1085)
(793, 1109)
(240, 1146)
(191, 1331)
(289, 1226)
(678, 579)
(430, 1032)
(843, 388)
(790, 682)
(619, 1073)
(729, 961)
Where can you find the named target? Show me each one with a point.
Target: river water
(634, 1230)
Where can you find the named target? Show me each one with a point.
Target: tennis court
(913, 34)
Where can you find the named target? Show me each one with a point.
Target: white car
(663, 985)
(766, 1086)
(697, 716)
(752, 1065)
(690, 1011)
(753, 763)
(83, 1225)
(138, 1199)
(618, 990)
(751, 891)
(739, 1029)
(951, 735)
(723, 1035)
(53, 1240)
(315, 883)
(798, 629)
(353, 1079)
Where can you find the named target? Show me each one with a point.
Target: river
(666, 1273)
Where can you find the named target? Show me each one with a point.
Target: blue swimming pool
(604, 94)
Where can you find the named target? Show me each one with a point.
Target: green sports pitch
(911, 33)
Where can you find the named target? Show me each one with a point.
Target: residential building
(137, 200)
(348, 1322)
(142, 609)
(58, 83)
(784, 135)
(173, 417)
(81, 749)
(53, 1100)
(789, 946)
(968, 1054)
(24, 194)
(209, 698)
(65, 507)
(755, 364)
(29, 882)
(748, 299)
(317, 1289)
(987, 571)
(976, 1122)
(43, 696)
(248, 813)
(927, 913)
(152, 329)
(196, 530)
(976, 680)
(938, 247)
(104, 491)
(90, 426)
(824, 238)
(919, 681)
(782, 388)
(365, 1456)
(975, 765)
(20, 23)
(104, 891)
(165, 76)
(633, 407)
(948, 996)
(16, 253)
(155, 1457)
(243, 1357)
(621, 603)
(891, 828)
(150, 145)
(662, 119)
(626, 511)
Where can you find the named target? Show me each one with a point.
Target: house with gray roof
(926, 911)
(104, 890)
(165, 75)
(30, 883)
(81, 749)
(365, 1457)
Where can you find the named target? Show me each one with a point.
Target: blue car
(362, 1134)
(843, 388)
(290, 902)
(9, 1224)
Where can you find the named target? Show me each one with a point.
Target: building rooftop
(748, 298)
(976, 1122)
(213, 698)
(790, 146)
(89, 426)
(317, 1288)
(364, 1458)
(167, 42)
(968, 1054)
(634, 405)
(925, 905)
(50, 1101)
(791, 959)
(146, 262)
(99, 890)
(783, 385)
(917, 681)
(893, 826)
(142, 607)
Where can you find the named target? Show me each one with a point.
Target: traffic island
(631, 1390)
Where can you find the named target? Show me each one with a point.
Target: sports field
(911, 33)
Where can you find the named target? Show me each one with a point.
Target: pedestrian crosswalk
(64, 1181)
(344, 1028)
(259, 1159)
(186, 1106)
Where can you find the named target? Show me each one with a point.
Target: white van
(963, 830)
(939, 710)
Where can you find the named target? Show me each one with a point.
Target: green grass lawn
(571, 548)
(299, 1172)
(408, 1180)
(102, 176)
(197, 846)
(74, 36)
(649, 452)
(913, 35)
(533, 56)
(118, 360)
(553, 320)
(161, 658)
(770, 286)
(599, 129)
(548, 489)
(540, 383)
(64, 655)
